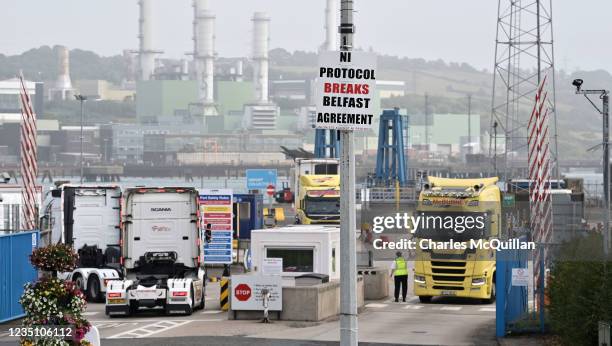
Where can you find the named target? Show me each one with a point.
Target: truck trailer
(161, 253)
(88, 219)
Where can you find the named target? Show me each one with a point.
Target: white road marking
(148, 330)
(413, 307)
(114, 324)
(376, 305)
(451, 308)
(487, 309)
(90, 313)
(162, 319)
(211, 312)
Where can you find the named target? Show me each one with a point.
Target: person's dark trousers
(401, 280)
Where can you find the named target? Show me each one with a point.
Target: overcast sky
(453, 30)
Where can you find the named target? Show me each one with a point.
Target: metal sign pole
(348, 263)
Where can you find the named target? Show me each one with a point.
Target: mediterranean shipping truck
(161, 253)
(317, 184)
(468, 272)
(88, 219)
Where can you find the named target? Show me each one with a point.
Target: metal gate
(512, 301)
(15, 271)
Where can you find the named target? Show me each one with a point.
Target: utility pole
(469, 97)
(606, 170)
(427, 122)
(348, 262)
(604, 95)
(495, 148)
(82, 99)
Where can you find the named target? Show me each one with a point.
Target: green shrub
(580, 291)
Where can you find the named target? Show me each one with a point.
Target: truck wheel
(201, 306)
(79, 282)
(491, 299)
(93, 289)
(425, 299)
(193, 305)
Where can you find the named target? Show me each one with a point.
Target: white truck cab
(161, 253)
(88, 218)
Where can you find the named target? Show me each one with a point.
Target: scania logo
(161, 209)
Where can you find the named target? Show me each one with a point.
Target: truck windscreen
(322, 205)
(458, 226)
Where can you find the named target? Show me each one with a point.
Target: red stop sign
(270, 190)
(242, 292)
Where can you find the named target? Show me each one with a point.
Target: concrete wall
(307, 303)
(376, 282)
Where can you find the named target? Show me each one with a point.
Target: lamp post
(82, 99)
(605, 98)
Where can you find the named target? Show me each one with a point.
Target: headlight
(473, 203)
(478, 281)
(419, 279)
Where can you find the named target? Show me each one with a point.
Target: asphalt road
(444, 321)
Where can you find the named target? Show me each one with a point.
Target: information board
(247, 292)
(272, 266)
(520, 276)
(259, 179)
(345, 90)
(216, 210)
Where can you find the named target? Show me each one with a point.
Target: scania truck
(317, 184)
(457, 271)
(88, 219)
(161, 253)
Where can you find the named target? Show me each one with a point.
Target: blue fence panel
(15, 271)
(511, 301)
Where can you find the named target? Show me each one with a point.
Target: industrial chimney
(63, 85)
(261, 40)
(146, 54)
(262, 114)
(204, 54)
(331, 25)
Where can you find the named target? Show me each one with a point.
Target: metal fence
(15, 271)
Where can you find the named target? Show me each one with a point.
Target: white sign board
(272, 266)
(520, 277)
(247, 292)
(345, 90)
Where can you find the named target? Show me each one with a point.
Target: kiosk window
(294, 260)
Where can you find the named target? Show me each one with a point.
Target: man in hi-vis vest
(399, 269)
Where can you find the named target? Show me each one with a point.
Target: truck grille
(453, 288)
(442, 273)
(447, 264)
(448, 278)
(447, 271)
(448, 256)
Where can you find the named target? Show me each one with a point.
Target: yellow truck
(447, 263)
(318, 200)
(317, 186)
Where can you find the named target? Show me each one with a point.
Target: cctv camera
(577, 83)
